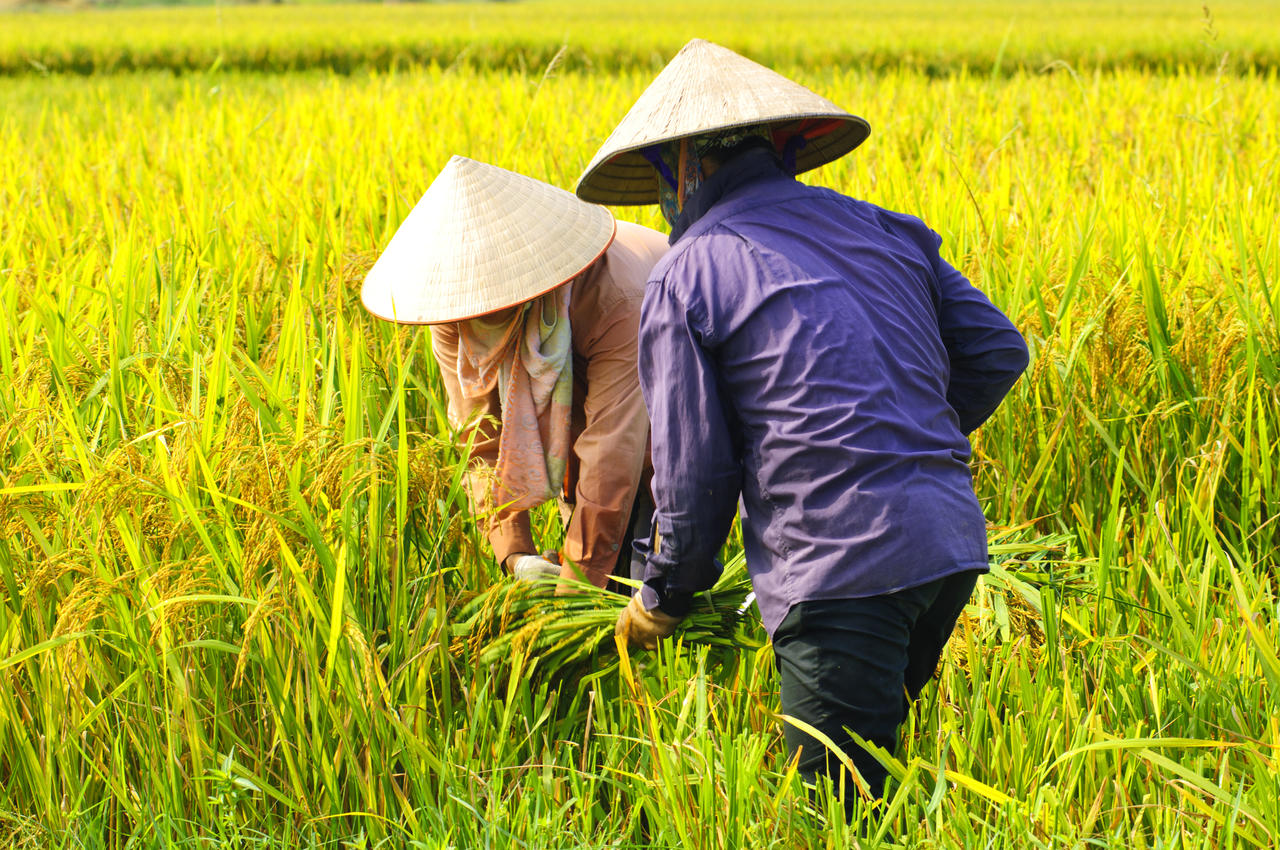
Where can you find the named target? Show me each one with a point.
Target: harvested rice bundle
(527, 618)
(520, 617)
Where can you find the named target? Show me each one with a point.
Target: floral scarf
(679, 165)
(529, 359)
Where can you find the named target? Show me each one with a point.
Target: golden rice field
(235, 556)
(605, 36)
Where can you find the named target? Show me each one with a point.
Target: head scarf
(529, 359)
(679, 164)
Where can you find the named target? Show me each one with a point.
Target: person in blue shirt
(812, 363)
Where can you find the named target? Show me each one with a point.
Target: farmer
(815, 357)
(534, 299)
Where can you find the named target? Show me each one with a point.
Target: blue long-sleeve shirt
(812, 357)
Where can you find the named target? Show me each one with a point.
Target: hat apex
(706, 88)
(482, 239)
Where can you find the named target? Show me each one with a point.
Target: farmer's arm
(986, 351)
(611, 447)
(697, 476)
(508, 531)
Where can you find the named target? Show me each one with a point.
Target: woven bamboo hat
(483, 239)
(704, 89)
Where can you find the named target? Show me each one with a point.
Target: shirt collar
(749, 167)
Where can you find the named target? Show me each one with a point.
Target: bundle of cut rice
(528, 618)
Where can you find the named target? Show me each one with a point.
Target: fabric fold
(528, 358)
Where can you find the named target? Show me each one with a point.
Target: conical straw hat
(482, 239)
(704, 89)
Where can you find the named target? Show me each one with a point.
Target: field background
(983, 36)
(233, 545)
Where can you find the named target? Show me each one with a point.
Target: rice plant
(243, 602)
(992, 37)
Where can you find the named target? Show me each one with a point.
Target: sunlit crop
(235, 555)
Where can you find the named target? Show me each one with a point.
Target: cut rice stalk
(528, 618)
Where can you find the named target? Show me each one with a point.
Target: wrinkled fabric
(609, 428)
(681, 173)
(854, 664)
(814, 357)
(527, 359)
(687, 172)
(751, 165)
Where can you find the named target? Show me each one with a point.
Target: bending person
(814, 356)
(534, 300)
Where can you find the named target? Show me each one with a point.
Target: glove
(533, 568)
(644, 627)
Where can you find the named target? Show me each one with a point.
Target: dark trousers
(856, 663)
(630, 565)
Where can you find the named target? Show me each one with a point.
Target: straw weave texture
(706, 88)
(482, 239)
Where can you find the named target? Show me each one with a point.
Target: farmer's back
(821, 315)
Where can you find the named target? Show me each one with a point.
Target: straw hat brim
(483, 239)
(705, 89)
(628, 179)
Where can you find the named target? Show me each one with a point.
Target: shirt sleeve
(508, 532)
(986, 351)
(697, 472)
(612, 446)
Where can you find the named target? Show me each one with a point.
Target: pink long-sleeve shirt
(610, 428)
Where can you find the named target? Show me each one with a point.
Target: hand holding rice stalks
(528, 618)
(523, 617)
